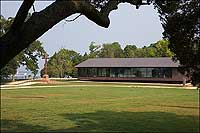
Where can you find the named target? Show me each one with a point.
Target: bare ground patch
(31, 96)
(50, 95)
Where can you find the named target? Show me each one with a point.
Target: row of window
(126, 72)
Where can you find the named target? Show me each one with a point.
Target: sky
(129, 25)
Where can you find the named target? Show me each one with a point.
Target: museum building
(161, 69)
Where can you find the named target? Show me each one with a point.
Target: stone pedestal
(45, 78)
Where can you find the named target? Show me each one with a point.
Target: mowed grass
(99, 108)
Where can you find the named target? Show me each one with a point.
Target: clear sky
(128, 26)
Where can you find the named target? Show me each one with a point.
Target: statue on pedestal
(45, 76)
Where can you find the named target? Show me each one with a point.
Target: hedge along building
(161, 69)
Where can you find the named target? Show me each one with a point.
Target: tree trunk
(13, 77)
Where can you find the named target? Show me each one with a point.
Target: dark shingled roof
(129, 62)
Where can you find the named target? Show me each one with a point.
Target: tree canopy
(158, 49)
(181, 23)
(62, 63)
(112, 50)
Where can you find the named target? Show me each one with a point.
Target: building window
(162, 73)
(120, 72)
(113, 72)
(126, 72)
(141, 72)
(149, 72)
(101, 72)
(167, 72)
(92, 72)
(82, 72)
(133, 72)
(156, 73)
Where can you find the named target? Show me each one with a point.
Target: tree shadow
(133, 122)
(109, 121)
(19, 126)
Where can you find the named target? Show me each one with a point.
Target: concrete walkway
(26, 83)
(19, 83)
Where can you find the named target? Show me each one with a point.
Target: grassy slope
(96, 108)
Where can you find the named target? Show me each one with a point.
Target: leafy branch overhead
(24, 31)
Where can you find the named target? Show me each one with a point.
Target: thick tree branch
(73, 18)
(93, 14)
(40, 22)
(22, 34)
(102, 17)
(21, 14)
(110, 6)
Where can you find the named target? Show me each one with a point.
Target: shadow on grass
(19, 126)
(102, 121)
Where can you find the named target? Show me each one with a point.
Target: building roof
(129, 62)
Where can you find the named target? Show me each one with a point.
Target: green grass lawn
(99, 108)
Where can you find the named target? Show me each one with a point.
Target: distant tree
(143, 52)
(113, 50)
(28, 57)
(9, 70)
(63, 62)
(181, 23)
(130, 51)
(94, 50)
(158, 49)
(161, 49)
(151, 52)
(85, 56)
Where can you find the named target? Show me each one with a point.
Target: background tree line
(63, 62)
